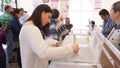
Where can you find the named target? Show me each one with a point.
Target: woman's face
(114, 15)
(19, 14)
(45, 17)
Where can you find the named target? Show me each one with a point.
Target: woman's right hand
(75, 48)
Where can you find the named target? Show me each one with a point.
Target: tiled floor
(12, 65)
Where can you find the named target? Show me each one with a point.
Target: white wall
(82, 10)
(28, 5)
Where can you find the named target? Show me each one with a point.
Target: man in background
(68, 24)
(24, 16)
(108, 23)
(5, 20)
(58, 30)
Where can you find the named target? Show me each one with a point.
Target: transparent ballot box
(88, 55)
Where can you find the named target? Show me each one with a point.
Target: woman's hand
(54, 45)
(75, 48)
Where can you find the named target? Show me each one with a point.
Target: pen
(74, 39)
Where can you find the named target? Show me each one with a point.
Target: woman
(2, 51)
(114, 36)
(35, 53)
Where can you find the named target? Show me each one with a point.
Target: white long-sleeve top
(35, 53)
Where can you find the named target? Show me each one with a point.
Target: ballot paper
(50, 41)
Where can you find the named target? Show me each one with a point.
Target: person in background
(68, 24)
(15, 28)
(92, 27)
(58, 30)
(108, 23)
(5, 20)
(2, 52)
(114, 36)
(61, 18)
(24, 16)
(35, 53)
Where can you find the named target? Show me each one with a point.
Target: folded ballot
(50, 41)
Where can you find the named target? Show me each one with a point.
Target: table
(87, 57)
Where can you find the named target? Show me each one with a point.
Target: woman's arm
(44, 51)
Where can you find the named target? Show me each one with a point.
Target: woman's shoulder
(29, 25)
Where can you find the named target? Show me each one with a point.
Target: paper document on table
(50, 41)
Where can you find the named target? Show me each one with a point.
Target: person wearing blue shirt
(108, 23)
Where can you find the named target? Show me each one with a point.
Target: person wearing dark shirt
(15, 28)
(67, 24)
(2, 52)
